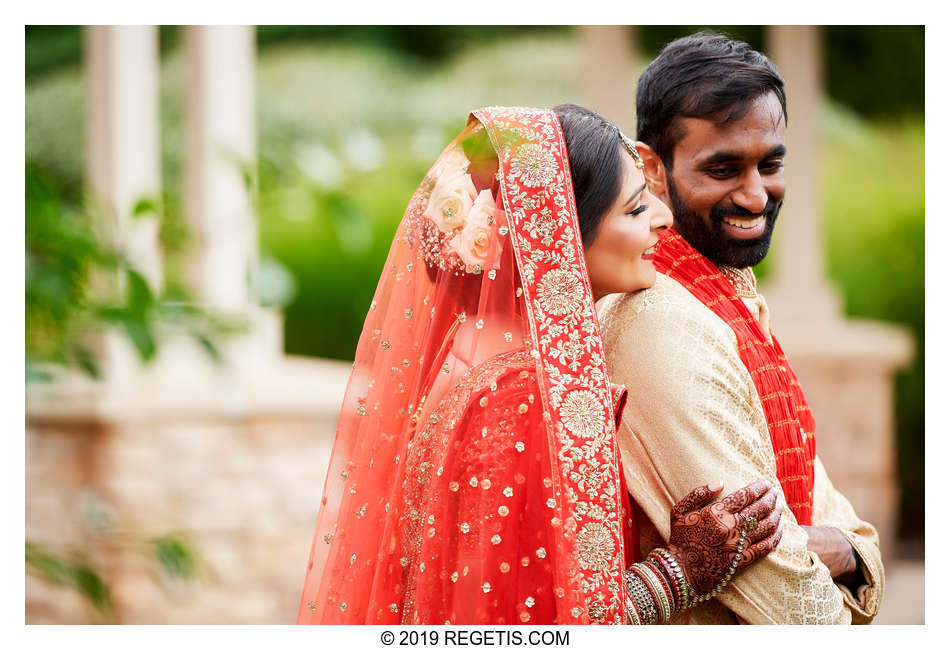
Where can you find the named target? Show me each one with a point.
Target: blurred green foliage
(173, 554)
(350, 120)
(71, 572)
(893, 52)
(873, 209)
(77, 285)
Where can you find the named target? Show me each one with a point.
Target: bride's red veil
(475, 472)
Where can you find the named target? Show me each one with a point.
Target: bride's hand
(704, 538)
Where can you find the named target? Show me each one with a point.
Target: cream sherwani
(693, 416)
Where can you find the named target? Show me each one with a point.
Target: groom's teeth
(745, 223)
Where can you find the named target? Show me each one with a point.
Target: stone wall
(244, 489)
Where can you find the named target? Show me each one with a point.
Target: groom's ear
(654, 171)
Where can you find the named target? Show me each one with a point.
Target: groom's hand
(834, 550)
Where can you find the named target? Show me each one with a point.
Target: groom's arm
(863, 589)
(693, 416)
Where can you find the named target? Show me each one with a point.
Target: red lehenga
(475, 473)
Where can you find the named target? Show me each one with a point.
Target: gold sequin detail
(464, 527)
(533, 164)
(522, 408)
(541, 553)
(503, 511)
(560, 292)
(496, 539)
(312, 605)
(582, 413)
(529, 601)
(504, 567)
(524, 616)
(508, 492)
(486, 587)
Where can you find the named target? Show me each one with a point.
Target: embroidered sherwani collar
(743, 279)
(744, 282)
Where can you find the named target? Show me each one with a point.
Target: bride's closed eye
(638, 210)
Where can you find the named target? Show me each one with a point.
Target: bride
(475, 474)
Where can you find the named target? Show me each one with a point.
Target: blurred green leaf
(85, 360)
(141, 336)
(175, 556)
(65, 572)
(144, 206)
(140, 299)
(208, 346)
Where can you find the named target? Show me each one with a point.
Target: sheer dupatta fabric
(475, 473)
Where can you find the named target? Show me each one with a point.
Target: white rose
(451, 200)
(453, 158)
(473, 241)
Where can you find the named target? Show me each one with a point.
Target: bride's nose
(662, 218)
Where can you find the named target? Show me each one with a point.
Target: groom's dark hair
(704, 75)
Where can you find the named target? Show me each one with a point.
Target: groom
(712, 395)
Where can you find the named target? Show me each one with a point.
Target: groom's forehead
(758, 133)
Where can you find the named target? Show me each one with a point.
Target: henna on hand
(704, 537)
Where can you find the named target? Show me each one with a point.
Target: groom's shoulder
(664, 311)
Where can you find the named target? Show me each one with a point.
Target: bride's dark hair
(594, 153)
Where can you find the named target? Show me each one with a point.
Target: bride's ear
(653, 170)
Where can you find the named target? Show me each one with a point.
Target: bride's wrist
(664, 560)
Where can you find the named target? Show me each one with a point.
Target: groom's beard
(709, 238)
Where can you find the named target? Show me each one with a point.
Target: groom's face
(727, 183)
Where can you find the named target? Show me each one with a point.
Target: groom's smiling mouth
(744, 227)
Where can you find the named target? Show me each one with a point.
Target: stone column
(800, 268)
(608, 72)
(846, 366)
(219, 159)
(123, 149)
(123, 166)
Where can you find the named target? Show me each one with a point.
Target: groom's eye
(720, 172)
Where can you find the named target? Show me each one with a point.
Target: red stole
(791, 423)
